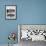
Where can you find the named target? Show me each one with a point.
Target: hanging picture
(10, 12)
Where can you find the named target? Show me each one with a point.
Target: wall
(28, 12)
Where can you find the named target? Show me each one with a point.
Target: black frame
(5, 12)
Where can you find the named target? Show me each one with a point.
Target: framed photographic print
(10, 12)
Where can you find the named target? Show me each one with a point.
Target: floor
(30, 43)
(7, 45)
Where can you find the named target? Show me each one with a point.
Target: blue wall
(28, 12)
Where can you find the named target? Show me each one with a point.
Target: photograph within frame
(34, 32)
(10, 12)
